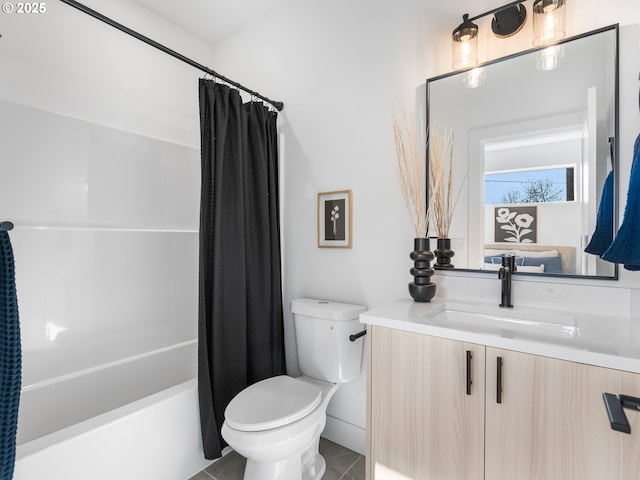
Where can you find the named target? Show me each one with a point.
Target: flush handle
(469, 380)
(356, 336)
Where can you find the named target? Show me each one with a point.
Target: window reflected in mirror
(535, 185)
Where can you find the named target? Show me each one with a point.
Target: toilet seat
(271, 403)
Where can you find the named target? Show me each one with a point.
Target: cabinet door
(421, 422)
(552, 423)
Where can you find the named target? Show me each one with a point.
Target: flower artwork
(515, 225)
(335, 216)
(334, 219)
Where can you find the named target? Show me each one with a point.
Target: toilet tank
(322, 330)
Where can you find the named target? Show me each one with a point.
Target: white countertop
(604, 341)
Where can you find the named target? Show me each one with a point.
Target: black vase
(443, 253)
(421, 289)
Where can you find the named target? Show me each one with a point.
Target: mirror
(534, 142)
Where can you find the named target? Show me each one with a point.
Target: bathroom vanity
(459, 390)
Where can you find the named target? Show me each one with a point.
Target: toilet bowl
(276, 423)
(286, 448)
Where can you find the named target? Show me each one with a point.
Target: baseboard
(345, 434)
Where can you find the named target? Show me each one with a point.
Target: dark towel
(603, 234)
(625, 248)
(10, 359)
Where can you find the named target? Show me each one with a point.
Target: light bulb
(548, 21)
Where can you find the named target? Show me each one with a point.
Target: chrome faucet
(504, 274)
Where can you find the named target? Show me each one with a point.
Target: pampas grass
(411, 172)
(441, 203)
(412, 176)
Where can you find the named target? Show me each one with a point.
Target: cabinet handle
(469, 381)
(615, 405)
(499, 382)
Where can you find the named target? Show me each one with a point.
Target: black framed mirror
(534, 144)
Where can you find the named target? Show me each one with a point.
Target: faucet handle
(509, 261)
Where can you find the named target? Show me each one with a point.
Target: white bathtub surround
(107, 283)
(57, 403)
(157, 437)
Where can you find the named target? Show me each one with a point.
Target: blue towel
(10, 359)
(625, 248)
(603, 234)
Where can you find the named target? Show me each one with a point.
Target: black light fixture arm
(496, 10)
(83, 8)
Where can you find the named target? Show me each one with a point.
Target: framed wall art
(334, 219)
(516, 224)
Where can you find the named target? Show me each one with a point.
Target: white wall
(339, 66)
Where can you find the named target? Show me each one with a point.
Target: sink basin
(510, 323)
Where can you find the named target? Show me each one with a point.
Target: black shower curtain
(240, 331)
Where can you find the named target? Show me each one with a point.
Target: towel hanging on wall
(603, 234)
(10, 356)
(625, 248)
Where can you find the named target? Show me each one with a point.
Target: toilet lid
(271, 403)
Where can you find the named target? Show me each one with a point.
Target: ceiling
(213, 20)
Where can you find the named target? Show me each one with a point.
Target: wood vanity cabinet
(421, 422)
(552, 422)
(548, 422)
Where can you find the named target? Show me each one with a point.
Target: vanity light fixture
(507, 21)
(548, 21)
(465, 44)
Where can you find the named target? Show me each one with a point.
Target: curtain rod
(83, 8)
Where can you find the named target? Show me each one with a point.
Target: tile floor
(342, 464)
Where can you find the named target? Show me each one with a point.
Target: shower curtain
(10, 359)
(240, 329)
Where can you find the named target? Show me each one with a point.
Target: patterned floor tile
(342, 464)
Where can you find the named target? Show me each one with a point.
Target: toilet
(276, 423)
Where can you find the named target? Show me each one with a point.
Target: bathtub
(140, 421)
